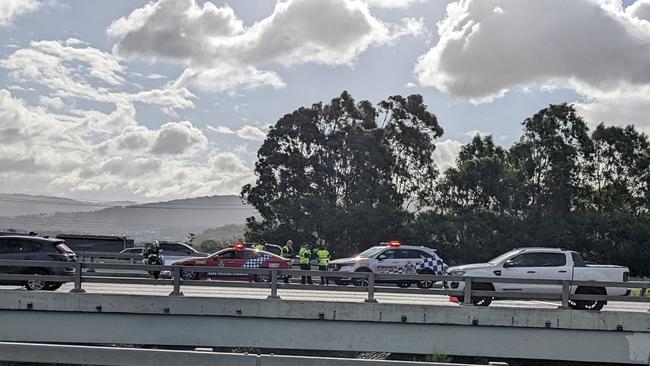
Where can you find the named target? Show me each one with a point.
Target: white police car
(392, 257)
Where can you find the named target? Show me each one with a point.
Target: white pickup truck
(542, 263)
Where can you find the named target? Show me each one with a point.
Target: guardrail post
(371, 287)
(467, 292)
(565, 294)
(176, 275)
(92, 260)
(274, 286)
(77, 279)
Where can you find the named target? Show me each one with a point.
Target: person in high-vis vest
(259, 246)
(287, 253)
(323, 260)
(305, 262)
(287, 250)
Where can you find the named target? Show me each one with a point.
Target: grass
(636, 292)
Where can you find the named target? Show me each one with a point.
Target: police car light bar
(393, 243)
(239, 246)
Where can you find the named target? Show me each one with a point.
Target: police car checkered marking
(436, 265)
(256, 262)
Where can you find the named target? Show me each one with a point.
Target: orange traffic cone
(453, 299)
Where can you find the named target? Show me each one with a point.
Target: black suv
(35, 249)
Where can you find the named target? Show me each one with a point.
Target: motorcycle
(154, 258)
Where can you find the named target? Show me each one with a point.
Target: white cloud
(227, 78)
(472, 133)
(95, 122)
(220, 129)
(228, 163)
(223, 54)
(640, 9)
(87, 73)
(488, 47)
(394, 3)
(618, 106)
(10, 9)
(42, 152)
(178, 138)
(55, 103)
(251, 133)
(135, 138)
(246, 132)
(446, 153)
(155, 77)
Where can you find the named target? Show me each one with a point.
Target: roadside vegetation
(636, 292)
(355, 174)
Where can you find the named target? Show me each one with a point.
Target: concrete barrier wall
(617, 337)
(80, 355)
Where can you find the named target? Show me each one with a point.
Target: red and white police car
(237, 256)
(392, 257)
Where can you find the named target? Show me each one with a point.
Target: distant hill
(12, 205)
(171, 220)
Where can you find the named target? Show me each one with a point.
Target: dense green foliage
(355, 175)
(343, 172)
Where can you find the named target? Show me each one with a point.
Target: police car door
(411, 260)
(387, 261)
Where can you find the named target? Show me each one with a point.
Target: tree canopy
(355, 174)
(344, 172)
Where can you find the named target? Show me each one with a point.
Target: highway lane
(318, 295)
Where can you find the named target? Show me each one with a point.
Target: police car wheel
(425, 283)
(361, 281)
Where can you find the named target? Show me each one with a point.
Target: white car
(542, 263)
(392, 257)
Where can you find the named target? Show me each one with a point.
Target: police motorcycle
(152, 256)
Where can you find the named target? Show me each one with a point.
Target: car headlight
(456, 273)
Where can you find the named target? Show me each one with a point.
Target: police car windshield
(369, 253)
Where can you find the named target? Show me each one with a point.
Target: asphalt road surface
(317, 295)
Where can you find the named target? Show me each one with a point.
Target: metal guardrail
(368, 281)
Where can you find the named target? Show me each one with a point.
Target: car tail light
(626, 276)
(65, 257)
(65, 254)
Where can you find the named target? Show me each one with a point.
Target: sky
(156, 100)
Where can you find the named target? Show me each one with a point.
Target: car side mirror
(508, 264)
(381, 257)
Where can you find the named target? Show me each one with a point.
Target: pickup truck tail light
(626, 276)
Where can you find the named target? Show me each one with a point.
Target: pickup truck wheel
(482, 301)
(589, 304)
